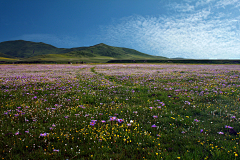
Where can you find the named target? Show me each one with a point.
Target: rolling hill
(33, 51)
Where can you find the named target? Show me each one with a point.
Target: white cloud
(181, 7)
(204, 2)
(224, 3)
(217, 3)
(200, 35)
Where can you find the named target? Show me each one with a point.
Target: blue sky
(199, 29)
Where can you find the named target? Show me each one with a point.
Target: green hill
(6, 56)
(32, 51)
(108, 51)
(25, 49)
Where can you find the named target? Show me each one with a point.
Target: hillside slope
(28, 50)
(25, 49)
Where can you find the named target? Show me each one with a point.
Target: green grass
(48, 111)
(32, 51)
(67, 57)
(7, 59)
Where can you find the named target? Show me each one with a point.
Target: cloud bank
(198, 29)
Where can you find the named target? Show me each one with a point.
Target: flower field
(119, 111)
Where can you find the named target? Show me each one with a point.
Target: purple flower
(228, 127)
(103, 121)
(155, 116)
(196, 120)
(129, 124)
(186, 102)
(233, 117)
(81, 106)
(113, 118)
(65, 116)
(55, 150)
(183, 132)
(201, 130)
(17, 133)
(43, 134)
(154, 126)
(120, 120)
(92, 123)
(35, 97)
(220, 132)
(26, 131)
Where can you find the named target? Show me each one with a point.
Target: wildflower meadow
(119, 111)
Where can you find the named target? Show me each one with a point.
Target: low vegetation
(119, 111)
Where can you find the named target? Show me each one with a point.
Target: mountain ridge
(37, 50)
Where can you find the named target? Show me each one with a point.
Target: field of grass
(67, 57)
(119, 111)
(8, 59)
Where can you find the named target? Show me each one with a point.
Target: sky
(195, 29)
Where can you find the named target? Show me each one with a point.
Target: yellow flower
(236, 154)
(178, 157)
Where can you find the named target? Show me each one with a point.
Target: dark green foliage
(80, 54)
(39, 51)
(6, 56)
(25, 49)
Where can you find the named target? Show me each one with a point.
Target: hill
(25, 49)
(33, 51)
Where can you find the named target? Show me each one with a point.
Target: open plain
(119, 111)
